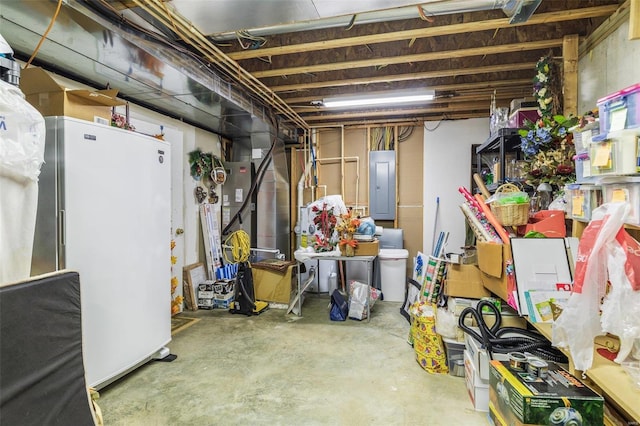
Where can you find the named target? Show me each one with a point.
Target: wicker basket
(510, 214)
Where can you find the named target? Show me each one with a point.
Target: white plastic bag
(579, 322)
(22, 135)
(446, 323)
(360, 295)
(621, 306)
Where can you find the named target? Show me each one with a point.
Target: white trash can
(393, 273)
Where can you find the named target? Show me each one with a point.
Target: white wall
(447, 166)
(612, 65)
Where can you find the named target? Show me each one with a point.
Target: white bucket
(393, 273)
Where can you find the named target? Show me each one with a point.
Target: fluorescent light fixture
(389, 98)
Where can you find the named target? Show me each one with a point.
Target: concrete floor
(287, 370)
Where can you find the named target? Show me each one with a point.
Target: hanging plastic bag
(621, 306)
(579, 322)
(22, 136)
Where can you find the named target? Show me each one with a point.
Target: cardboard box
(223, 301)
(464, 281)
(273, 286)
(52, 99)
(206, 295)
(520, 399)
(365, 248)
(477, 388)
(492, 261)
(479, 357)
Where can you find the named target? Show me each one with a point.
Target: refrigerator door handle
(62, 227)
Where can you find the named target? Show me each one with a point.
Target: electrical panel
(382, 185)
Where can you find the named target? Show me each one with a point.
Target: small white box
(478, 389)
(479, 356)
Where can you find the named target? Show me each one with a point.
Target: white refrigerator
(104, 210)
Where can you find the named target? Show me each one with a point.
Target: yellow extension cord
(240, 247)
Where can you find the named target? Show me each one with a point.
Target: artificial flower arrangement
(346, 228)
(547, 145)
(325, 221)
(119, 120)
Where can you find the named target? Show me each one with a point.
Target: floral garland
(547, 87)
(541, 87)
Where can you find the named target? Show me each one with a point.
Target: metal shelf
(499, 144)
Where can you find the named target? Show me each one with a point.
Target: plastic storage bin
(624, 192)
(582, 137)
(393, 273)
(582, 200)
(583, 167)
(455, 356)
(624, 102)
(617, 154)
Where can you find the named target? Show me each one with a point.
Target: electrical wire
(255, 42)
(240, 244)
(433, 129)
(423, 15)
(46, 33)
(351, 23)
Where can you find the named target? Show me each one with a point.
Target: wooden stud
(570, 74)
(634, 20)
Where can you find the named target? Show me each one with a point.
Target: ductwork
(89, 48)
(517, 10)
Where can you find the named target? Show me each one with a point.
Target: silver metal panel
(234, 193)
(46, 250)
(211, 16)
(273, 198)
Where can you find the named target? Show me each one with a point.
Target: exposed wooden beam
(490, 69)
(478, 86)
(400, 121)
(492, 24)
(570, 75)
(422, 57)
(469, 106)
(612, 23)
